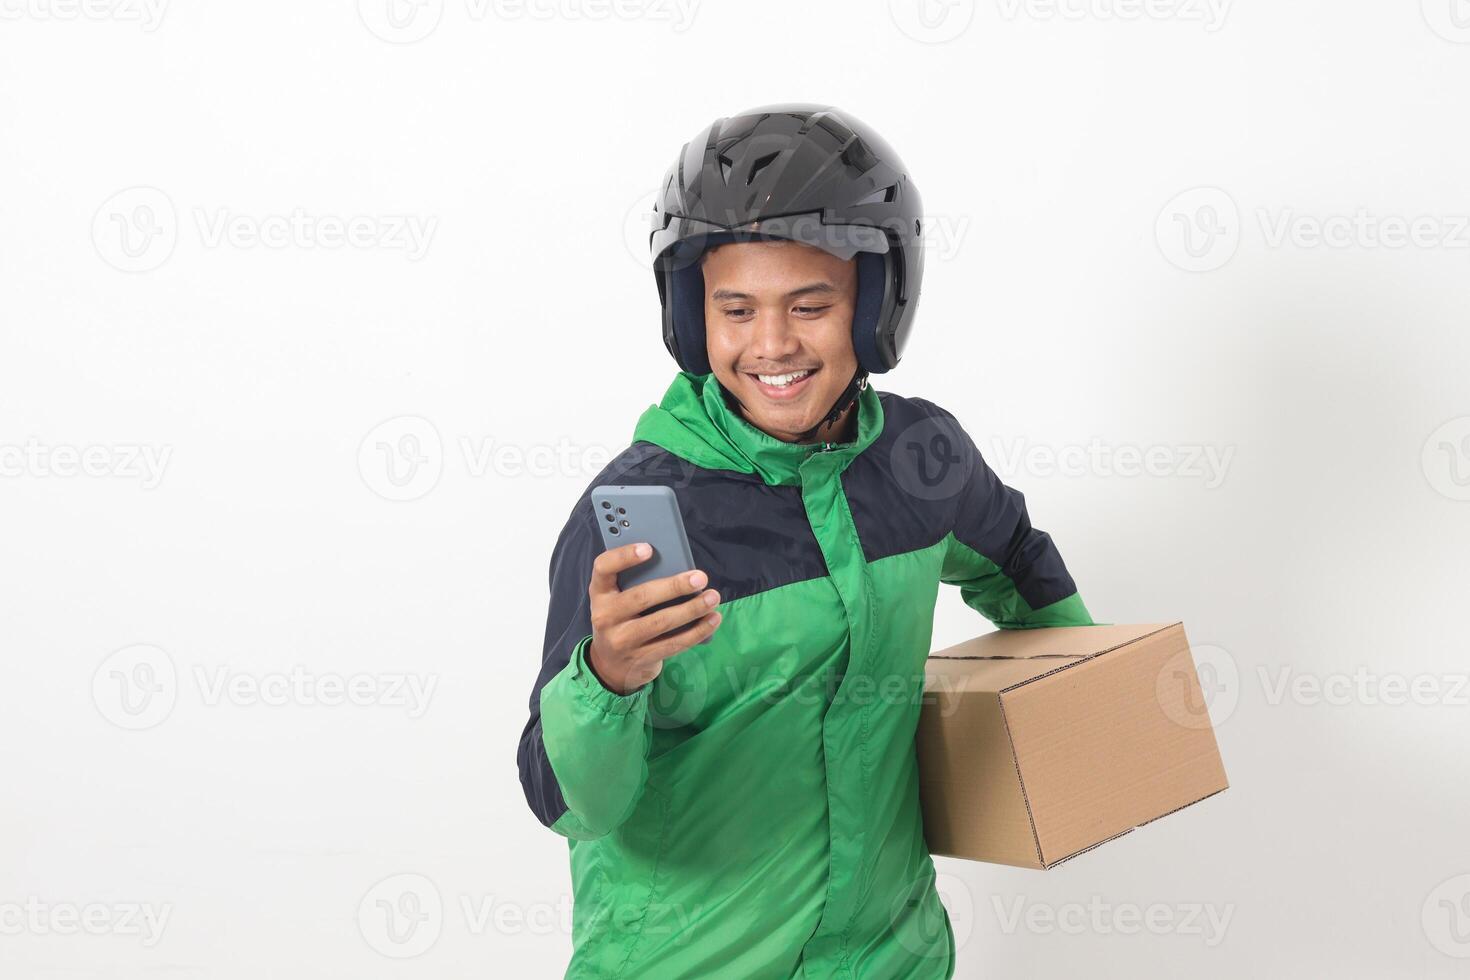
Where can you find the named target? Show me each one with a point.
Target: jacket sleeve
(1007, 570)
(583, 755)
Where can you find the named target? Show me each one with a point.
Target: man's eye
(737, 311)
(811, 309)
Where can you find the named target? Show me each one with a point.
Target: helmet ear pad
(686, 306)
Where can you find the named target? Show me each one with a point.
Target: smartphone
(630, 514)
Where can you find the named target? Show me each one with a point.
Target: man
(741, 798)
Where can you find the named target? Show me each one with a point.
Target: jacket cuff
(587, 684)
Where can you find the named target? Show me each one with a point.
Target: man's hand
(628, 650)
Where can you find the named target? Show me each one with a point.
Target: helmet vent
(759, 165)
(883, 195)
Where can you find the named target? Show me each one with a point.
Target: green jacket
(754, 811)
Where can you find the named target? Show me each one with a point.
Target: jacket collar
(694, 423)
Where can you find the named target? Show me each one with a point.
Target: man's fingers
(696, 634)
(643, 629)
(605, 567)
(640, 597)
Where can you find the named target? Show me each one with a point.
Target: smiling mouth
(782, 380)
(782, 386)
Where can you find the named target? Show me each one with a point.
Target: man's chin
(785, 423)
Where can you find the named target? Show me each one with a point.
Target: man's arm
(583, 756)
(1007, 570)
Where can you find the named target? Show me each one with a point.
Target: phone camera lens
(608, 516)
(625, 523)
(613, 530)
(606, 505)
(621, 511)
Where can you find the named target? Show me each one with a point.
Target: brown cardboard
(1036, 745)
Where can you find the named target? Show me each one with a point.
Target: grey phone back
(630, 514)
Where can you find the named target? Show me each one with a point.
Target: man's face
(773, 309)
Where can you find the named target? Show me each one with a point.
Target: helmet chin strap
(849, 395)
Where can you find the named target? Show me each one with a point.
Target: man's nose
(773, 338)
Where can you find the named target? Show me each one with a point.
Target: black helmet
(799, 172)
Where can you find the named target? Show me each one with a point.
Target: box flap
(976, 675)
(1070, 641)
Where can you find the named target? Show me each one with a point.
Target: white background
(510, 348)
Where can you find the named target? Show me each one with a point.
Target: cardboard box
(1036, 745)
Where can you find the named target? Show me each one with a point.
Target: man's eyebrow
(720, 295)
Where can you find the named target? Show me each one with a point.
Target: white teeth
(781, 380)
